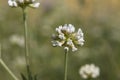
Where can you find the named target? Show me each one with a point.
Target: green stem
(6, 67)
(0, 51)
(8, 70)
(26, 43)
(90, 78)
(65, 65)
(26, 36)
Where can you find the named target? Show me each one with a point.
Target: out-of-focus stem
(6, 67)
(26, 43)
(26, 36)
(0, 51)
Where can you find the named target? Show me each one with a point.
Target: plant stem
(0, 51)
(90, 79)
(26, 43)
(65, 65)
(8, 70)
(6, 67)
(26, 36)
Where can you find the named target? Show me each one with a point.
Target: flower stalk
(24, 4)
(26, 43)
(6, 67)
(65, 65)
(26, 36)
(69, 39)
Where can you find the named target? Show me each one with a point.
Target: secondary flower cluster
(23, 3)
(89, 71)
(18, 40)
(67, 37)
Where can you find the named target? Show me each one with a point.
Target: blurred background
(99, 20)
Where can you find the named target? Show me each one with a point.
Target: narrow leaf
(23, 77)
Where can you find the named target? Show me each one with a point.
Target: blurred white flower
(16, 39)
(23, 3)
(12, 3)
(67, 37)
(89, 71)
(35, 5)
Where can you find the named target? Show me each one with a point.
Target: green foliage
(23, 77)
(30, 77)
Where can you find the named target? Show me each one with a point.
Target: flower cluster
(67, 37)
(89, 71)
(23, 3)
(18, 40)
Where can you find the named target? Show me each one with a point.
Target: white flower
(18, 40)
(35, 5)
(61, 36)
(69, 29)
(57, 43)
(89, 71)
(79, 37)
(70, 43)
(23, 3)
(12, 3)
(58, 30)
(67, 37)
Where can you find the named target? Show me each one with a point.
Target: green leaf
(23, 77)
(29, 73)
(35, 77)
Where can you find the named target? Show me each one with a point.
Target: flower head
(67, 37)
(18, 40)
(89, 71)
(12, 3)
(23, 3)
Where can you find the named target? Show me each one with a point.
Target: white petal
(54, 43)
(61, 36)
(64, 28)
(74, 49)
(68, 28)
(71, 28)
(80, 42)
(80, 33)
(84, 76)
(12, 3)
(35, 5)
(15, 4)
(57, 43)
(69, 42)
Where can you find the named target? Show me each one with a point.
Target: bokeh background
(99, 20)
